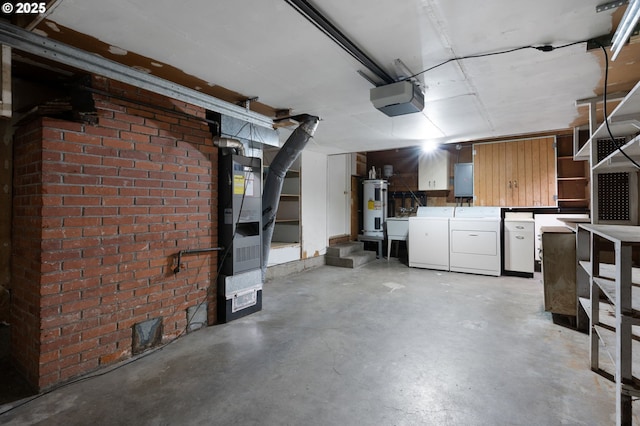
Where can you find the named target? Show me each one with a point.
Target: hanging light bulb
(429, 146)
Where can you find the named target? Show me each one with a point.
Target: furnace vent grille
(246, 254)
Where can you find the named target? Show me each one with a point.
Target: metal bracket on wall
(611, 5)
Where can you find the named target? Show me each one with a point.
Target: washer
(475, 234)
(429, 238)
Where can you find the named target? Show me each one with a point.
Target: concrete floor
(381, 345)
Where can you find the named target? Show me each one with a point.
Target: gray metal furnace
(240, 232)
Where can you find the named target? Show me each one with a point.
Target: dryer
(429, 238)
(474, 241)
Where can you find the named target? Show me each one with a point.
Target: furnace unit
(240, 233)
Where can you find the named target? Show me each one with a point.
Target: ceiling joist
(20, 39)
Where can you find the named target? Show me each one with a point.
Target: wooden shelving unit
(573, 176)
(287, 231)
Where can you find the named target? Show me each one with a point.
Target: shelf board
(617, 162)
(630, 104)
(607, 286)
(586, 305)
(615, 233)
(565, 157)
(296, 196)
(607, 312)
(282, 244)
(608, 271)
(608, 339)
(572, 199)
(607, 316)
(572, 178)
(586, 265)
(583, 153)
(287, 220)
(619, 122)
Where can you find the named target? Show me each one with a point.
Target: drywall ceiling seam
(433, 14)
(44, 47)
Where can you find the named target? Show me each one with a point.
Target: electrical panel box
(463, 180)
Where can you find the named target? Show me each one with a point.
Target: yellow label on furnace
(238, 184)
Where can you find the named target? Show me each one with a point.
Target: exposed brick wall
(119, 200)
(26, 250)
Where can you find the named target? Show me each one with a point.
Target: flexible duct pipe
(275, 178)
(229, 143)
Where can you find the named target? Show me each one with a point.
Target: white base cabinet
(519, 245)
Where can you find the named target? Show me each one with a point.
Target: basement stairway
(349, 255)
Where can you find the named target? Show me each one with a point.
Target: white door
(338, 192)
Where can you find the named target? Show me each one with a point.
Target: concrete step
(352, 260)
(344, 249)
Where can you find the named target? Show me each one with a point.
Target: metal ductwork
(275, 178)
(229, 143)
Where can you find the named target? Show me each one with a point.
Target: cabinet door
(490, 175)
(433, 171)
(534, 182)
(517, 173)
(519, 247)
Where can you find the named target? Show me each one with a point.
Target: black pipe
(323, 24)
(193, 251)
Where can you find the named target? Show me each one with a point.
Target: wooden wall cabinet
(515, 173)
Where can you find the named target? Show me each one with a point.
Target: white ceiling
(265, 48)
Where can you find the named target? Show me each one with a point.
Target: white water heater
(374, 207)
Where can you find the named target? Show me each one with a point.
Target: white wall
(314, 204)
